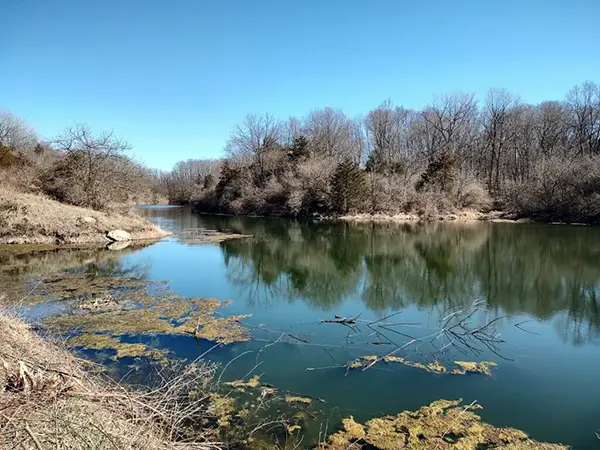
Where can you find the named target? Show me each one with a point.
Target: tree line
(539, 161)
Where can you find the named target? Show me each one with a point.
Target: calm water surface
(541, 283)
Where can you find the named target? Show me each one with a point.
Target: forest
(535, 161)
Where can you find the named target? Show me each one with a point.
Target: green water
(540, 284)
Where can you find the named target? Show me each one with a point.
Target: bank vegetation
(536, 161)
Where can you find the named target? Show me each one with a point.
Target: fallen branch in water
(342, 320)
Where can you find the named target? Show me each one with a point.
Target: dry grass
(35, 219)
(48, 400)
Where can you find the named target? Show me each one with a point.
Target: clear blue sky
(174, 76)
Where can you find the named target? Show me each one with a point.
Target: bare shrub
(468, 193)
(391, 194)
(314, 185)
(561, 190)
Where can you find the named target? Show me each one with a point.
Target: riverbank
(462, 216)
(50, 399)
(36, 219)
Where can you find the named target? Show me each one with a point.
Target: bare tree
(331, 134)
(450, 124)
(498, 125)
(383, 137)
(583, 103)
(94, 169)
(254, 138)
(190, 177)
(292, 129)
(551, 128)
(15, 133)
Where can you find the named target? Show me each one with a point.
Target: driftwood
(342, 320)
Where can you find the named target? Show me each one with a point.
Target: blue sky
(174, 76)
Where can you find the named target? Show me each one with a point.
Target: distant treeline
(539, 161)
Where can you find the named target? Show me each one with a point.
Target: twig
(229, 363)
(518, 325)
(32, 436)
(268, 345)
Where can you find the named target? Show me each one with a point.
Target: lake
(527, 296)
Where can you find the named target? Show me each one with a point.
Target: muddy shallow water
(325, 295)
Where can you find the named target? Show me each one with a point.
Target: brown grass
(49, 400)
(35, 219)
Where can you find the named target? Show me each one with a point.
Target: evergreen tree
(441, 173)
(348, 188)
(229, 186)
(299, 149)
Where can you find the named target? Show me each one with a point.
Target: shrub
(561, 189)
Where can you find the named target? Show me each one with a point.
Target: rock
(119, 236)
(116, 246)
(87, 219)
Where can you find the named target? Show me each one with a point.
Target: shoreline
(466, 216)
(461, 217)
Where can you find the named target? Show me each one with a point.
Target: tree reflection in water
(541, 270)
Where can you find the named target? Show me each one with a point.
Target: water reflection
(539, 270)
(23, 268)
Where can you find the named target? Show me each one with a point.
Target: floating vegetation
(242, 385)
(121, 306)
(364, 362)
(102, 302)
(433, 367)
(482, 367)
(293, 428)
(163, 314)
(90, 341)
(464, 367)
(66, 285)
(223, 408)
(204, 236)
(268, 392)
(441, 425)
(298, 399)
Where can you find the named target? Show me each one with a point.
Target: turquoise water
(536, 286)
